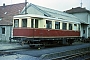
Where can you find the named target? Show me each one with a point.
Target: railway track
(12, 51)
(77, 56)
(87, 58)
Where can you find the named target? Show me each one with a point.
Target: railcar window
(70, 26)
(75, 26)
(32, 23)
(48, 24)
(64, 26)
(16, 22)
(57, 25)
(24, 22)
(79, 27)
(36, 23)
(0, 18)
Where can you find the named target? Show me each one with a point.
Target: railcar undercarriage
(43, 42)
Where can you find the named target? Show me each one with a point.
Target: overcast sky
(60, 5)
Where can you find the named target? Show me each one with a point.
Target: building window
(16, 22)
(57, 25)
(36, 23)
(70, 26)
(3, 30)
(32, 23)
(64, 26)
(0, 18)
(83, 31)
(24, 22)
(48, 24)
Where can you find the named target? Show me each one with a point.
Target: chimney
(3, 4)
(25, 6)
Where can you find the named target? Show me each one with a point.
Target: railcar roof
(44, 17)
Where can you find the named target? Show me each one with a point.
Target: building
(42, 17)
(84, 15)
(6, 19)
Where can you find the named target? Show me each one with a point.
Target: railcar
(40, 31)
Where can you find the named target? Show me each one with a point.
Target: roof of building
(8, 11)
(77, 10)
(52, 13)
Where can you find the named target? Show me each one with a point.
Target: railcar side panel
(37, 32)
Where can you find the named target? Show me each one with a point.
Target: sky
(60, 5)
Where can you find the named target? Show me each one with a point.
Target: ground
(15, 46)
(21, 53)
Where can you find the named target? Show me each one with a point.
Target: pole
(81, 3)
(25, 6)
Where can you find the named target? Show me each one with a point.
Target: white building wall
(8, 33)
(89, 18)
(81, 31)
(0, 33)
(85, 17)
(82, 16)
(89, 25)
(88, 31)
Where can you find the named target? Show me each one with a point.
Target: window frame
(48, 24)
(3, 30)
(16, 24)
(57, 25)
(64, 28)
(24, 22)
(32, 23)
(70, 26)
(36, 23)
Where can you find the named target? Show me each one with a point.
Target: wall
(8, 33)
(84, 27)
(82, 16)
(85, 17)
(89, 32)
(89, 18)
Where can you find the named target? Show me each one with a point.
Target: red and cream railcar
(45, 30)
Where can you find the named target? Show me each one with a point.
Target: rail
(87, 58)
(67, 55)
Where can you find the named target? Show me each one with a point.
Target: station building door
(84, 30)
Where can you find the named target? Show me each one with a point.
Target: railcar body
(43, 31)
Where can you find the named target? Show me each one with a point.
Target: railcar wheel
(32, 46)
